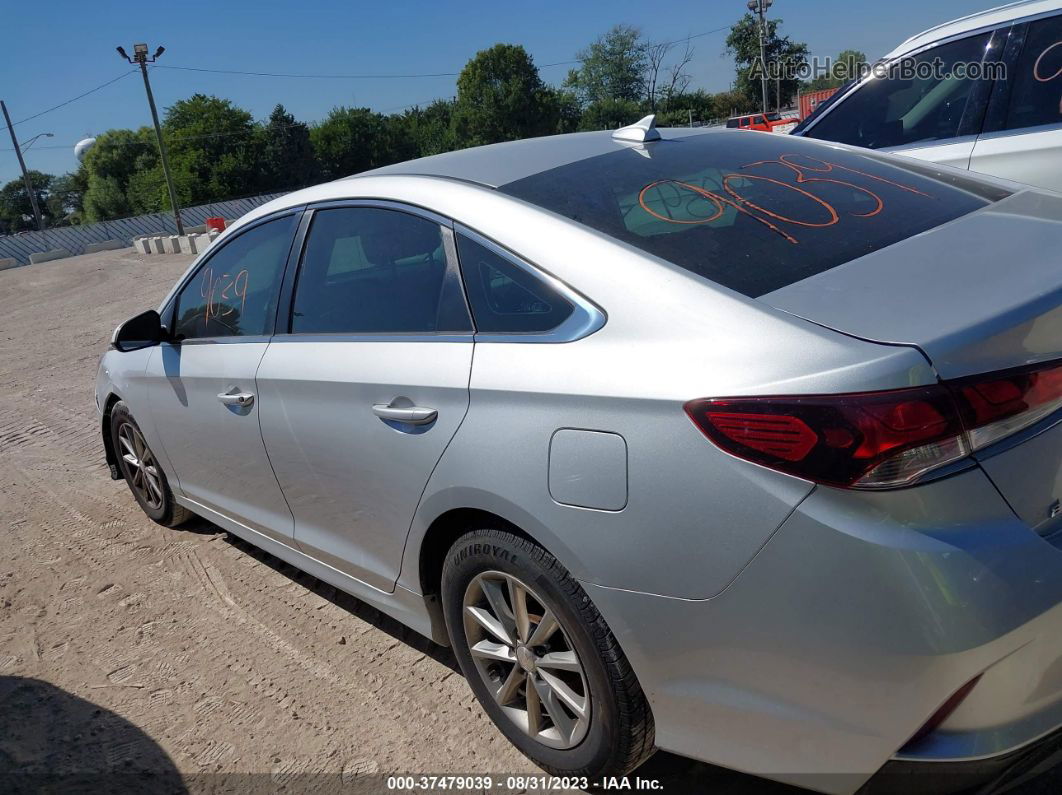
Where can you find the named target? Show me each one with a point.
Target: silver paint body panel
(776, 627)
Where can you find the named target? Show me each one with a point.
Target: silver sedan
(732, 444)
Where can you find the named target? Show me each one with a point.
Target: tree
(500, 97)
(350, 140)
(211, 146)
(284, 153)
(66, 197)
(609, 114)
(847, 66)
(664, 84)
(110, 165)
(783, 55)
(613, 68)
(429, 130)
(16, 210)
(569, 111)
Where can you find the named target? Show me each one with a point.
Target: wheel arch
(105, 431)
(445, 515)
(444, 530)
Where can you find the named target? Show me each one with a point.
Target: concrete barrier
(106, 245)
(48, 256)
(156, 246)
(202, 242)
(143, 245)
(7, 263)
(171, 244)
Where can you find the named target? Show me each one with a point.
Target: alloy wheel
(141, 468)
(526, 659)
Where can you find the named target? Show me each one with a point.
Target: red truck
(765, 122)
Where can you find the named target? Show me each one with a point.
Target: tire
(617, 733)
(152, 490)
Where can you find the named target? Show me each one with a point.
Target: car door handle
(413, 415)
(241, 399)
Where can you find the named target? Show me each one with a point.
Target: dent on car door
(201, 384)
(923, 106)
(1022, 139)
(369, 383)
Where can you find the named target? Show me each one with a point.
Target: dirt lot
(179, 657)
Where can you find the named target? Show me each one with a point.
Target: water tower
(82, 147)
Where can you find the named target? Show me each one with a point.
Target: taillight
(1000, 404)
(876, 440)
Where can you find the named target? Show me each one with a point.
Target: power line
(391, 75)
(381, 76)
(312, 76)
(75, 99)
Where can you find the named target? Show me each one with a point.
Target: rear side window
(1036, 84)
(926, 103)
(372, 271)
(506, 298)
(753, 212)
(235, 292)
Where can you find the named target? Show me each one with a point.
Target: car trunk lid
(980, 294)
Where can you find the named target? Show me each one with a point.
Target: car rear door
(367, 382)
(1022, 139)
(201, 385)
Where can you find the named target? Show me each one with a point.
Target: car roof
(495, 165)
(989, 18)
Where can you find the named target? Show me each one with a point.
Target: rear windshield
(753, 212)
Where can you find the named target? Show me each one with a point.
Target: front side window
(505, 298)
(920, 99)
(1036, 84)
(367, 270)
(234, 294)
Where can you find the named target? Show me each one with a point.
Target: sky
(55, 51)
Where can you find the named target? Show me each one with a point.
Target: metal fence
(75, 238)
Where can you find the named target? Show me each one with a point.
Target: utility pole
(759, 7)
(140, 57)
(25, 173)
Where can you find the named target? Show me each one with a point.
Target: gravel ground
(187, 658)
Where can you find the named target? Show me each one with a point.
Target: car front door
(1022, 139)
(922, 105)
(201, 385)
(369, 382)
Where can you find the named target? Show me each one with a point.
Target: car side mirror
(138, 332)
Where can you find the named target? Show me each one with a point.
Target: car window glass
(235, 292)
(753, 212)
(372, 271)
(1036, 83)
(925, 104)
(504, 297)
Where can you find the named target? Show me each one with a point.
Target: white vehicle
(1005, 121)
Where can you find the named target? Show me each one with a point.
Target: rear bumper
(860, 617)
(994, 774)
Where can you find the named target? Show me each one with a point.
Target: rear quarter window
(753, 213)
